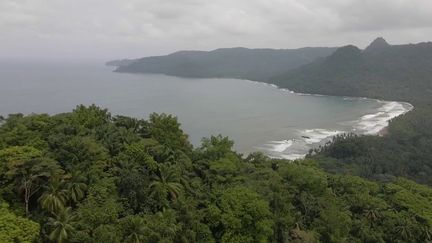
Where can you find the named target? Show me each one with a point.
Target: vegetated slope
(400, 72)
(254, 64)
(86, 176)
(403, 73)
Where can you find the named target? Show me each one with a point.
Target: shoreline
(375, 124)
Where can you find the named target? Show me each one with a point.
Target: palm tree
(372, 215)
(76, 187)
(61, 225)
(403, 230)
(166, 184)
(426, 234)
(55, 196)
(136, 230)
(30, 176)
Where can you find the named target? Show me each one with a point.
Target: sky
(110, 29)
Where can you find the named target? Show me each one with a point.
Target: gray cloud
(133, 28)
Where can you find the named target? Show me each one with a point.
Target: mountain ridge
(238, 62)
(390, 72)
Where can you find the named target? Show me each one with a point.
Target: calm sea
(258, 117)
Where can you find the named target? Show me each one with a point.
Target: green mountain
(254, 64)
(394, 72)
(377, 45)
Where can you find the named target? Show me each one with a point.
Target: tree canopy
(88, 176)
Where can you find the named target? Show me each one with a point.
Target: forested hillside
(253, 64)
(402, 73)
(87, 176)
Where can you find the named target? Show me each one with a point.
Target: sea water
(257, 116)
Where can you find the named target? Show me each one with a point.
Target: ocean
(257, 116)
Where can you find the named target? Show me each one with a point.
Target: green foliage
(117, 179)
(166, 130)
(54, 197)
(90, 117)
(245, 216)
(14, 228)
(27, 171)
(165, 185)
(61, 225)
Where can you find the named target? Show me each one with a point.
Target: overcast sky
(134, 28)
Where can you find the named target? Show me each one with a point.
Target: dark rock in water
(306, 137)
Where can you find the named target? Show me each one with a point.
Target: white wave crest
(292, 156)
(373, 123)
(279, 146)
(311, 136)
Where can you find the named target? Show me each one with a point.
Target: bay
(257, 116)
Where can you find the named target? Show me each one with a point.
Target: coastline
(297, 146)
(374, 124)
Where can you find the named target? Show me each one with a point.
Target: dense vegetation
(402, 73)
(253, 64)
(87, 176)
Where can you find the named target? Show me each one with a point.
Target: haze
(115, 29)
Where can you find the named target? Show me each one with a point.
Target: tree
(216, 147)
(245, 216)
(76, 187)
(90, 117)
(98, 211)
(16, 229)
(135, 229)
(61, 225)
(28, 170)
(166, 185)
(55, 196)
(166, 130)
(140, 127)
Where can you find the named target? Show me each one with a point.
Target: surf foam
(316, 135)
(373, 123)
(279, 146)
(368, 124)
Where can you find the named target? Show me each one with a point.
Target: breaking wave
(371, 124)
